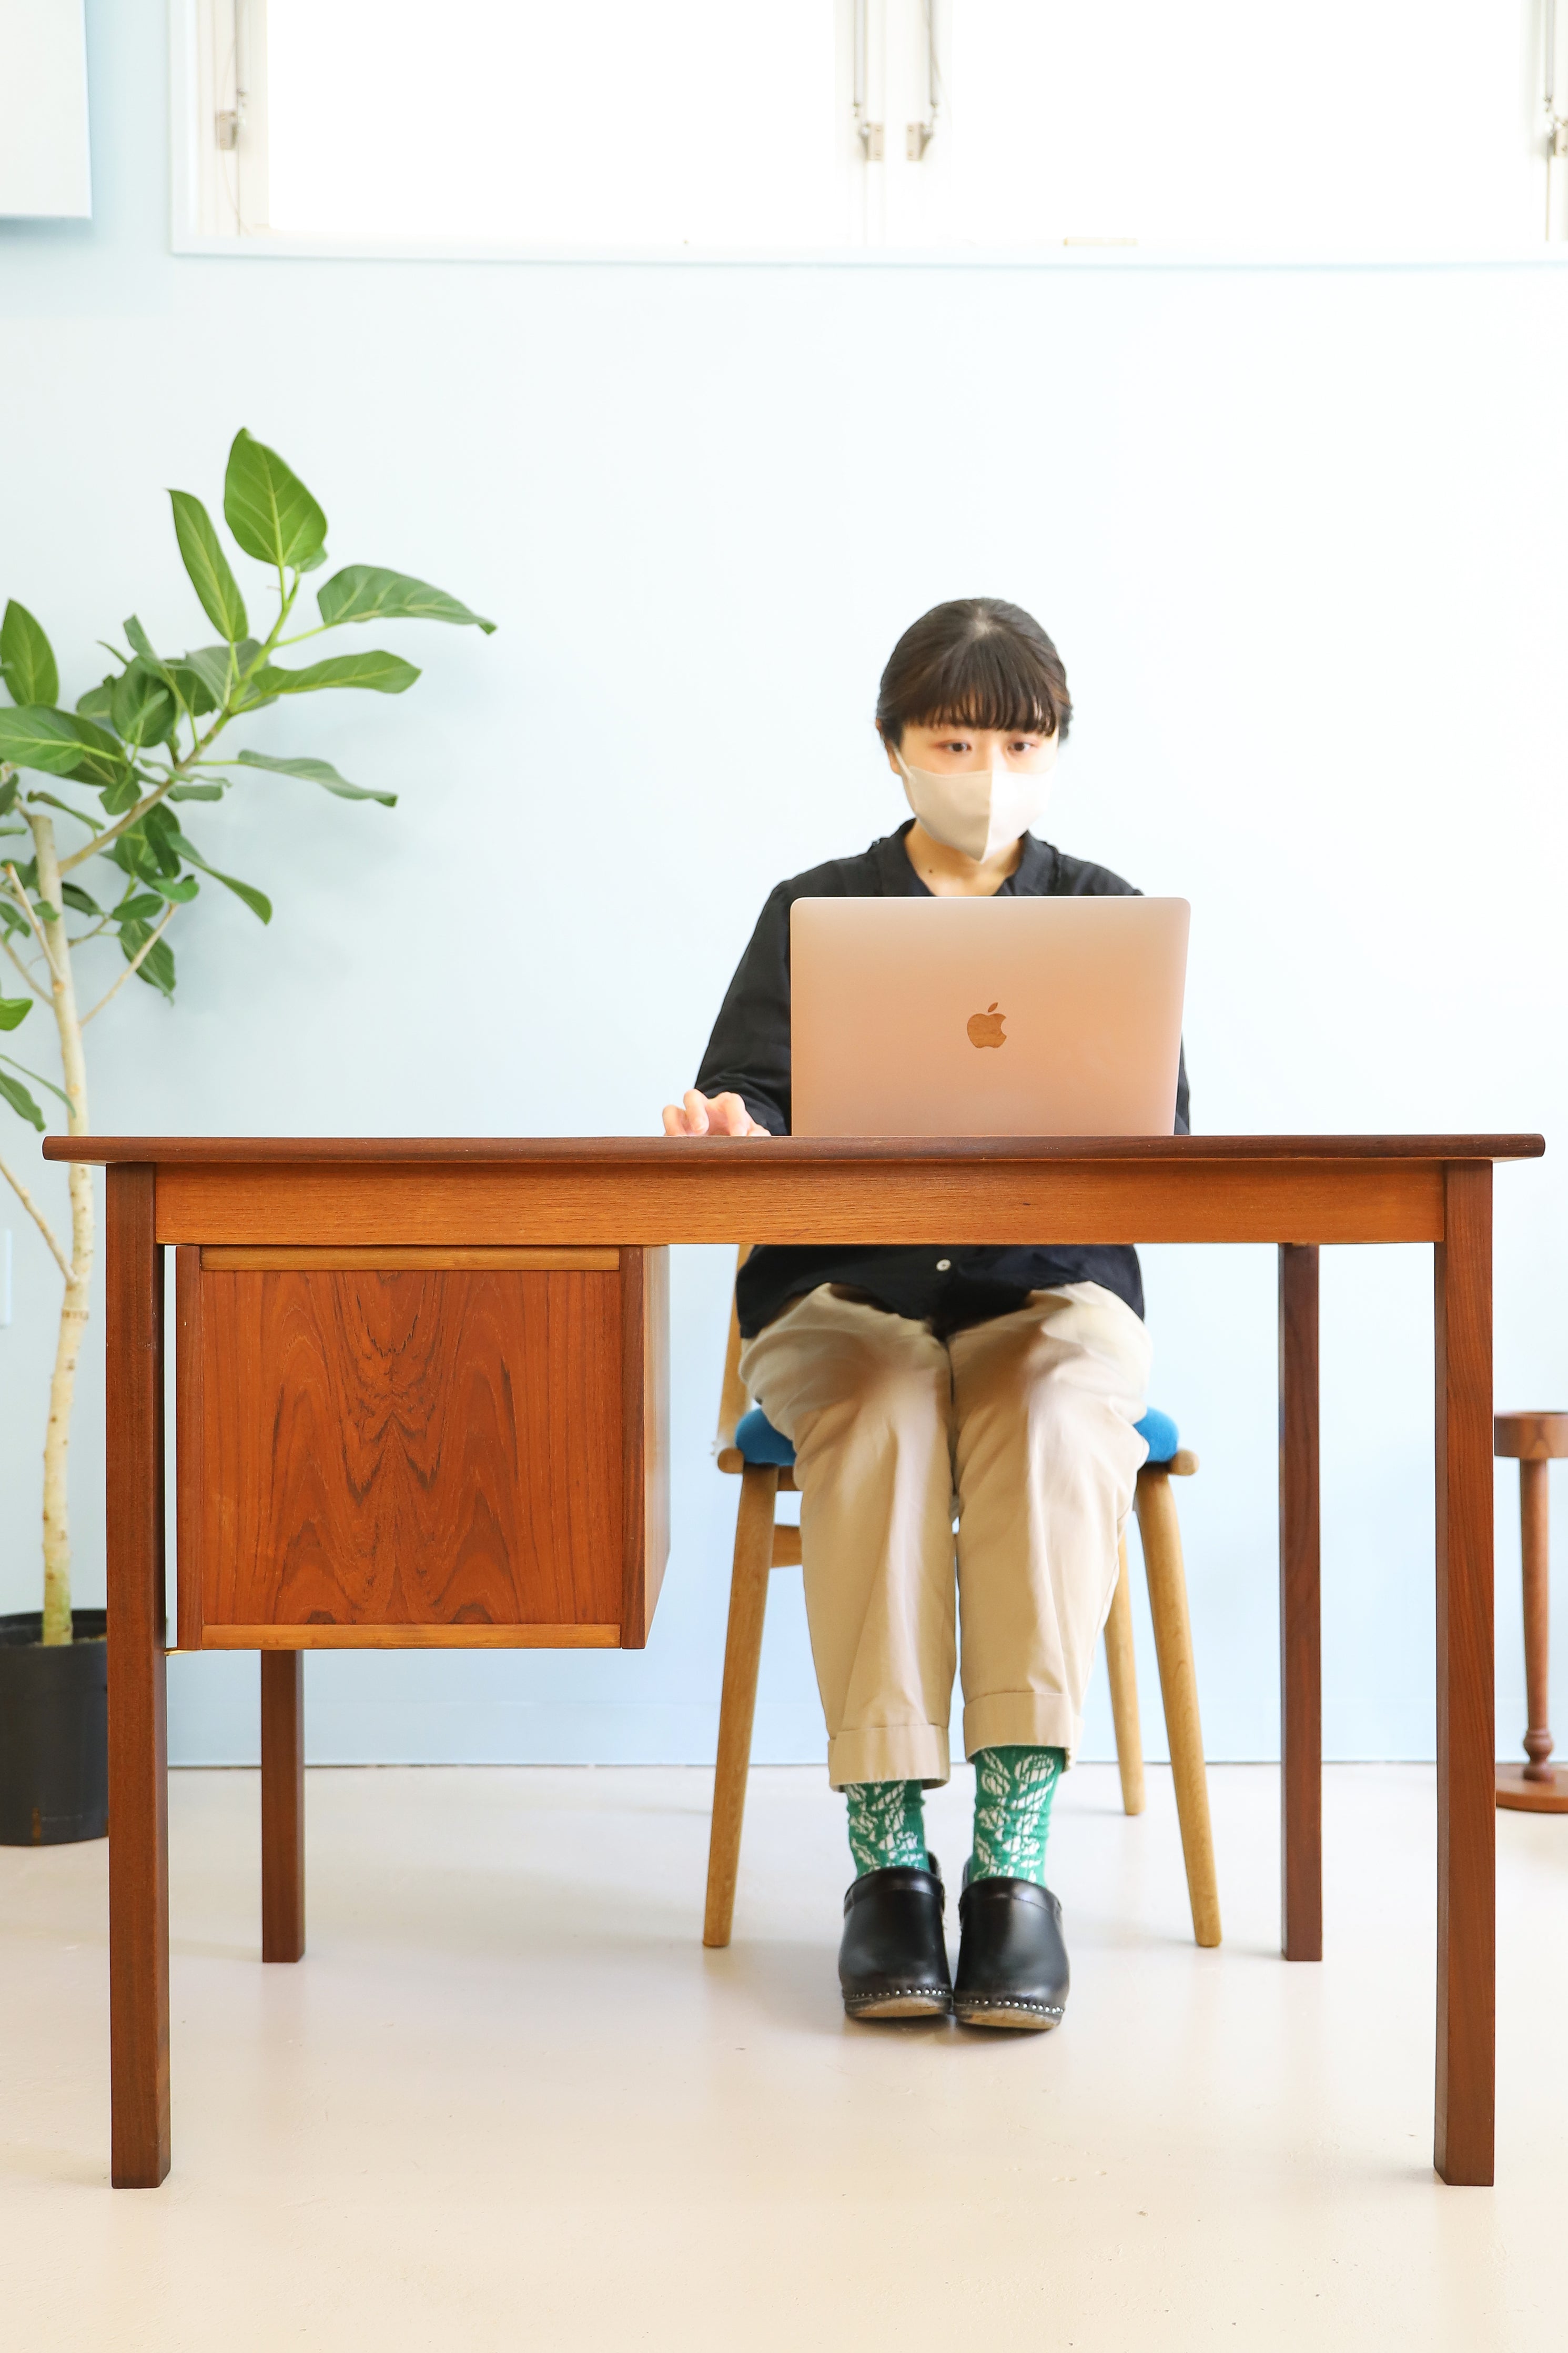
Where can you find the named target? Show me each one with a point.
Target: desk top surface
(662, 1151)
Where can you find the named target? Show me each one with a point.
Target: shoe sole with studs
(1030, 2021)
(900, 2005)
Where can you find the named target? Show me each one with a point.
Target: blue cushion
(1163, 1437)
(759, 1442)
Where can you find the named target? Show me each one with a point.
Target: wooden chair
(762, 1546)
(1533, 1441)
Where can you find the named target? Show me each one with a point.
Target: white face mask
(978, 810)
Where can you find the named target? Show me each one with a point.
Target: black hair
(977, 663)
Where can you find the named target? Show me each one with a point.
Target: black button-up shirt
(749, 1053)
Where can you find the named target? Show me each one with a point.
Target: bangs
(977, 663)
(989, 683)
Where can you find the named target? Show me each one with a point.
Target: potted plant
(150, 735)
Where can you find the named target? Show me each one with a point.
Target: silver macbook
(986, 1017)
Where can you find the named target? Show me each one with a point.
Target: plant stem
(134, 966)
(37, 1216)
(79, 1278)
(41, 993)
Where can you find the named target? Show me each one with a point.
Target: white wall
(1298, 533)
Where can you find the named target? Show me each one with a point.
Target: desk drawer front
(369, 1454)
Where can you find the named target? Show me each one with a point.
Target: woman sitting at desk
(1004, 1383)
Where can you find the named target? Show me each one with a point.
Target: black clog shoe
(1012, 1962)
(892, 1959)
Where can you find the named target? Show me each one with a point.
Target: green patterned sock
(1013, 1793)
(886, 1826)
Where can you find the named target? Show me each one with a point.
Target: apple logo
(985, 1028)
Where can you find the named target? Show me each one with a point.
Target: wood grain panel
(1466, 1738)
(243, 1258)
(138, 1748)
(408, 1449)
(1301, 1614)
(776, 1199)
(645, 1295)
(411, 1637)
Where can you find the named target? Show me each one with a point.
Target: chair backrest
(733, 1398)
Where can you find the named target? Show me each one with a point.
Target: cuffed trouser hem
(889, 1752)
(1022, 1719)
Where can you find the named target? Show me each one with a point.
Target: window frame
(198, 85)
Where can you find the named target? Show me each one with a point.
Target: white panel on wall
(44, 171)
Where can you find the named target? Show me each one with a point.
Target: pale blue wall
(1299, 534)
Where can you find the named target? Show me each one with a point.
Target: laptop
(986, 1017)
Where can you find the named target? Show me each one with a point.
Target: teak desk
(419, 1397)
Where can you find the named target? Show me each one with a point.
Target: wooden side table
(1534, 1440)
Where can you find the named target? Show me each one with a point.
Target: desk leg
(282, 1805)
(137, 1758)
(1300, 1630)
(1466, 1742)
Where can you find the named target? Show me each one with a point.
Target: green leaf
(207, 564)
(139, 642)
(210, 664)
(196, 791)
(16, 1095)
(142, 707)
(192, 687)
(82, 901)
(364, 592)
(54, 801)
(269, 508)
(13, 1010)
(138, 907)
(60, 744)
(8, 792)
(39, 1080)
(121, 796)
(382, 673)
(26, 658)
(180, 894)
(98, 702)
(256, 901)
(317, 772)
(157, 967)
(164, 839)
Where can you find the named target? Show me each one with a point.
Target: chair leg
(282, 1805)
(1124, 1672)
(1162, 1536)
(737, 1706)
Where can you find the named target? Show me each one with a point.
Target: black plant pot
(54, 1732)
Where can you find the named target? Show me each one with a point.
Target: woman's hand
(709, 1115)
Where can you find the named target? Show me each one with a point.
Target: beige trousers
(1022, 1429)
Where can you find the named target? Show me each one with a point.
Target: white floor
(509, 2101)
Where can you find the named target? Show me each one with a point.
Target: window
(727, 126)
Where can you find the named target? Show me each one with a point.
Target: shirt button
(943, 1265)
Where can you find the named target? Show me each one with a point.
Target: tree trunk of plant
(74, 1305)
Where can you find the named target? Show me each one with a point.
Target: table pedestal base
(1532, 1797)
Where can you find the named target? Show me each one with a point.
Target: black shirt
(950, 1285)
